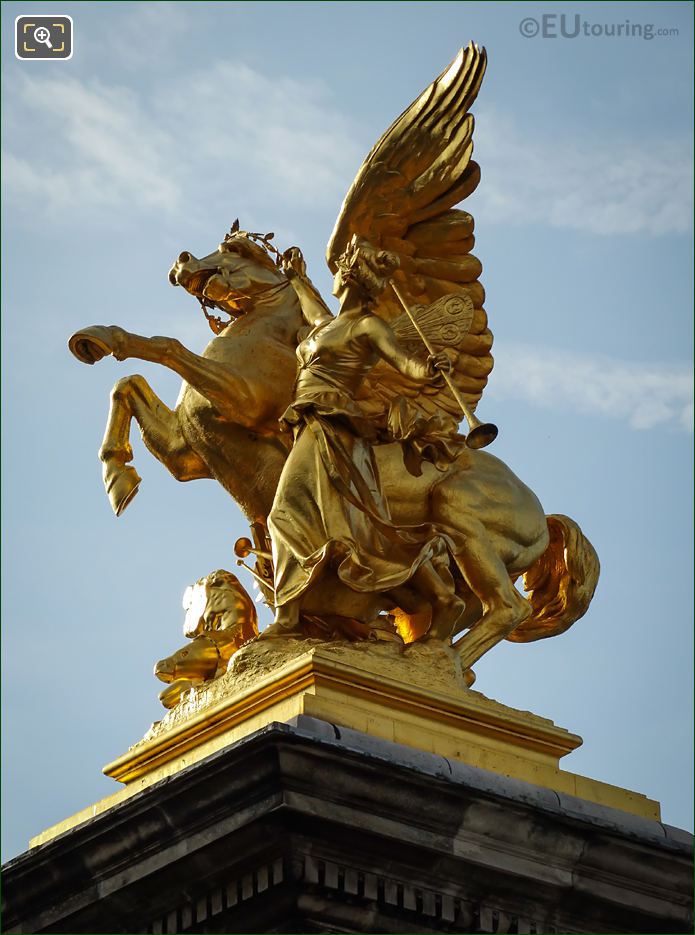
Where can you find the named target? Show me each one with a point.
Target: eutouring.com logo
(572, 26)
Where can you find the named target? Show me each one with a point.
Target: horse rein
(204, 636)
(217, 325)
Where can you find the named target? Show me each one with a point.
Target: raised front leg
(132, 397)
(231, 395)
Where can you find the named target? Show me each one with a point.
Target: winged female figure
(376, 471)
(329, 508)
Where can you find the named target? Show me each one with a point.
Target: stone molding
(307, 813)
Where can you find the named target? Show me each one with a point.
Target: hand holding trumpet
(439, 364)
(480, 434)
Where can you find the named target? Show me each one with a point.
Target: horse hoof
(278, 631)
(446, 621)
(121, 487)
(91, 344)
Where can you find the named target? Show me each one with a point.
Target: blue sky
(171, 120)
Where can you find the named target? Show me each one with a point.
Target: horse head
(220, 617)
(220, 602)
(239, 275)
(196, 662)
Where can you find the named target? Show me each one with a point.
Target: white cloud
(590, 183)
(226, 128)
(104, 149)
(230, 128)
(287, 137)
(643, 394)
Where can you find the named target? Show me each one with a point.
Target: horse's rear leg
(496, 607)
(503, 607)
(132, 397)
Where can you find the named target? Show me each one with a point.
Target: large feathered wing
(403, 200)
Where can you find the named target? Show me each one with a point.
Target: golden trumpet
(244, 547)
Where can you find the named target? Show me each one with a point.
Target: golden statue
(220, 617)
(338, 435)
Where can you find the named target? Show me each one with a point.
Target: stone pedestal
(319, 789)
(307, 827)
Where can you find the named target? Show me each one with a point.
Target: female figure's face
(363, 273)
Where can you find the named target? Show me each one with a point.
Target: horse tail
(561, 584)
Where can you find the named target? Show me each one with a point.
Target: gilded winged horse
(225, 423)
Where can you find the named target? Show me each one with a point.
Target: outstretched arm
(386, 345)
(314, 309)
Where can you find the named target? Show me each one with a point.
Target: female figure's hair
(363, 266)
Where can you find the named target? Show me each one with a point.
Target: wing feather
(466, 269)
(403, 200)
(447, 227)
(443, 250)
(467, 185)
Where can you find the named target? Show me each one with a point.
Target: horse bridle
(217, 325)
(204, 636)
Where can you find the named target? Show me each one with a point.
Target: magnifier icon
(41, 34)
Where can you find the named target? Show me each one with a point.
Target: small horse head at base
(220, 617)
